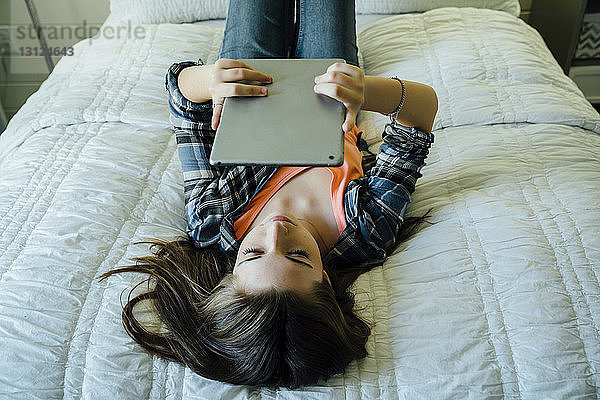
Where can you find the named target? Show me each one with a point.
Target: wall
(21, 75)
(525, 8)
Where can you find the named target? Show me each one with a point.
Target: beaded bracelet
(394, 114)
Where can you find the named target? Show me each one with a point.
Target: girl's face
(280, 252)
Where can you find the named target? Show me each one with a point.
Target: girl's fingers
(239, 89)
(339, 78)
(224, 63)
(231, 70)
(340, 93)
(243, 74)
(217, 108)
(350, 98)
(215, 117)
(349, 69)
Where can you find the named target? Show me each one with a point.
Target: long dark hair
(273, 338)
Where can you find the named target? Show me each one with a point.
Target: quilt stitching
(169, 381)
(495, 56)
(546, 236)
(159, 375)
(120, 83)
(495, 343)
(47, 174)
(484, 58)
(500, 312)
(78, 142)
(21, 201)
(95, 104)
(101, 287)
(372, 340)
(215, 46)
(141, 64)
(531, 147)
(180, 369)
(437, 80)
(161, 165)
(450, 95)
(514, 96)
(357, 367)
(37, 126)
(69, 359)
(385, 305)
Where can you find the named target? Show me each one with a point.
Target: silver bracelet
(394, 114)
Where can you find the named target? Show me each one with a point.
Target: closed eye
(259, 252)
(250, 250)
(300, 252)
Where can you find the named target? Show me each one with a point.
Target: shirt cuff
(184, 107)
(407, 138)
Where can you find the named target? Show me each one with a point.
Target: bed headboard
(555, 19)
(179, 11)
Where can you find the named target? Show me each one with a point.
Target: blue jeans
(266, 29)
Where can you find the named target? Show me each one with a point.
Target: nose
(277, 231)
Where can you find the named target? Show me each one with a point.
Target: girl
(258, 293)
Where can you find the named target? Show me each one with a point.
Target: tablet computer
(291, 126)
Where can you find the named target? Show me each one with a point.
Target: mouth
(282, 218)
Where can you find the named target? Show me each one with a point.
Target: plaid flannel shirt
(215, 197)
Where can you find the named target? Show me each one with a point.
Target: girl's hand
(225, 74)
(345, 83)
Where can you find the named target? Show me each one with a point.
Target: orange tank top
(340, 177)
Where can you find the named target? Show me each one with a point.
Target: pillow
(163, 11)
(407, 6)
(178, 11)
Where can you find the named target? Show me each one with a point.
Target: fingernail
(264, 90)
(316, 80)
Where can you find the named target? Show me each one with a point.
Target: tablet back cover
(291, 126)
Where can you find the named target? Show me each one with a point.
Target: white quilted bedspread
(499, 297)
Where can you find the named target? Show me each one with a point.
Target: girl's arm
(348, 84)
(384, 94)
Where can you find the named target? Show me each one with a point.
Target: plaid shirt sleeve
(375, 204)
(192, 124)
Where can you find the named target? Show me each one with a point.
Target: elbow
(434, 102)
(432, 108)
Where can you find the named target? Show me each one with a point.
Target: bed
(499, 297)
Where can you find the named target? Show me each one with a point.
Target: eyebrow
(288, 257)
